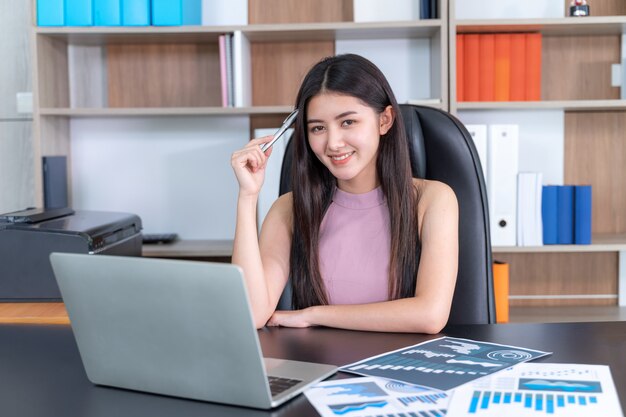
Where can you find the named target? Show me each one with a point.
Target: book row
(566, 214)
(119, 12)
(499, 67)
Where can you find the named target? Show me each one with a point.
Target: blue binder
(107, 12)
(582, 215)
(50, 13)
(167, 12)
(549, 214)
(565, 205)
(192, 12)
(78, 13)
(136, 12)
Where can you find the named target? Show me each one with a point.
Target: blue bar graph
(538, 402)
(424, 399)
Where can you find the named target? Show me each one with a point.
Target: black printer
(28, 237)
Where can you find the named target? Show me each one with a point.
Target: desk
(41, 373)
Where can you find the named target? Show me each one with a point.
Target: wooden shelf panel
(190, 249)
(256, 33)
(165, 111)
(587, 26)
(600, 243)
(33, 313)
(567, 105)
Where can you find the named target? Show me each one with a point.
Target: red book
(460, 67)
(518, 67)
(533, 66)
(486, 68)
(502, 67)
(471, 83)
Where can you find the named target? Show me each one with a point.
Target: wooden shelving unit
(577, 55)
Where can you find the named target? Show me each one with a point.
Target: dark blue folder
(549, 214)
(565, 221)
(582, 215)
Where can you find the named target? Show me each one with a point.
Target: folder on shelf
(223, 71)
(50, 12)
(192, 12)
(529, 224)
(502, 60)
(229, 69)
(486, 67)
(425, 10)
(167, 12)
(460, 67)
(136, 12)
(533, 66)
(479, 135)
(503, 151)
(582, 214)
(78, 13)
(501, 291)
(242, 70)
(107, 13)
(549, 214)
(565, 220)
(472, 75)
(518, 67)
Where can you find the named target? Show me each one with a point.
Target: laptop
(171, 327)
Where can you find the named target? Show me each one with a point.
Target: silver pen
(286, 123)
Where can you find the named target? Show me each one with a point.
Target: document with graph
(370, 397)
(443, 363)
(533, 389)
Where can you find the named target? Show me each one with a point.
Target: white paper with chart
(537, 389)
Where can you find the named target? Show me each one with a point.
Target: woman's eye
(316, 129)
(347, 122)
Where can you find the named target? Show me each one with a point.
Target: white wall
(174, 172)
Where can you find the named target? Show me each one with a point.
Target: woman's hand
(249, 166)
(296, 318)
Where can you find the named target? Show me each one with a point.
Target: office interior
(133, 143)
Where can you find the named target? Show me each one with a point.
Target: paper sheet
(360, 397)
(533, 389)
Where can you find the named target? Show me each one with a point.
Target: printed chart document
(360, 397)
(444, 363)
(532, 389)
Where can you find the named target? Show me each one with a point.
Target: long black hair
(313, 184)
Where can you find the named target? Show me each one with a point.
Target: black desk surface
(41, 373)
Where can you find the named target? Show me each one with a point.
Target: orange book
(502, 60)
(533, 66)
(518, 67)
(460, 64)
(486, 67)
(501, 291)
(471, 82)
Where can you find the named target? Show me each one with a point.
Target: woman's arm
(428, 311)
(264, 277)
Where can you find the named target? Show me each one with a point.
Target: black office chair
(442, 149)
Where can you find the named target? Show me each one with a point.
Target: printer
(28, 237)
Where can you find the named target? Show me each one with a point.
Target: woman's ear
(387, 118)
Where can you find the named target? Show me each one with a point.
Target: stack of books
(566, 213)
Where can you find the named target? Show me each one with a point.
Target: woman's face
(344, 133)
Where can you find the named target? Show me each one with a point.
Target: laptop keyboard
(278, 384)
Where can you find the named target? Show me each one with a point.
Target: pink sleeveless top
(355, 246)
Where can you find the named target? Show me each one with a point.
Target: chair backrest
(442, 149)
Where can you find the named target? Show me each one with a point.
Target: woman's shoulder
(283, 206)
(433, 193)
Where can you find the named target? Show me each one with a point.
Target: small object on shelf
(579, 8)
(158, 238)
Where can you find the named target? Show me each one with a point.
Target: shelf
(576, 26)
(165, 111)
(600, 243)
(190, 249)
(567, 105)
(255, 33)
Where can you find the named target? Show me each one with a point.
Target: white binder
(479, 135)
(503, 161)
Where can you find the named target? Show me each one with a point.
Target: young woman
(367, 246)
